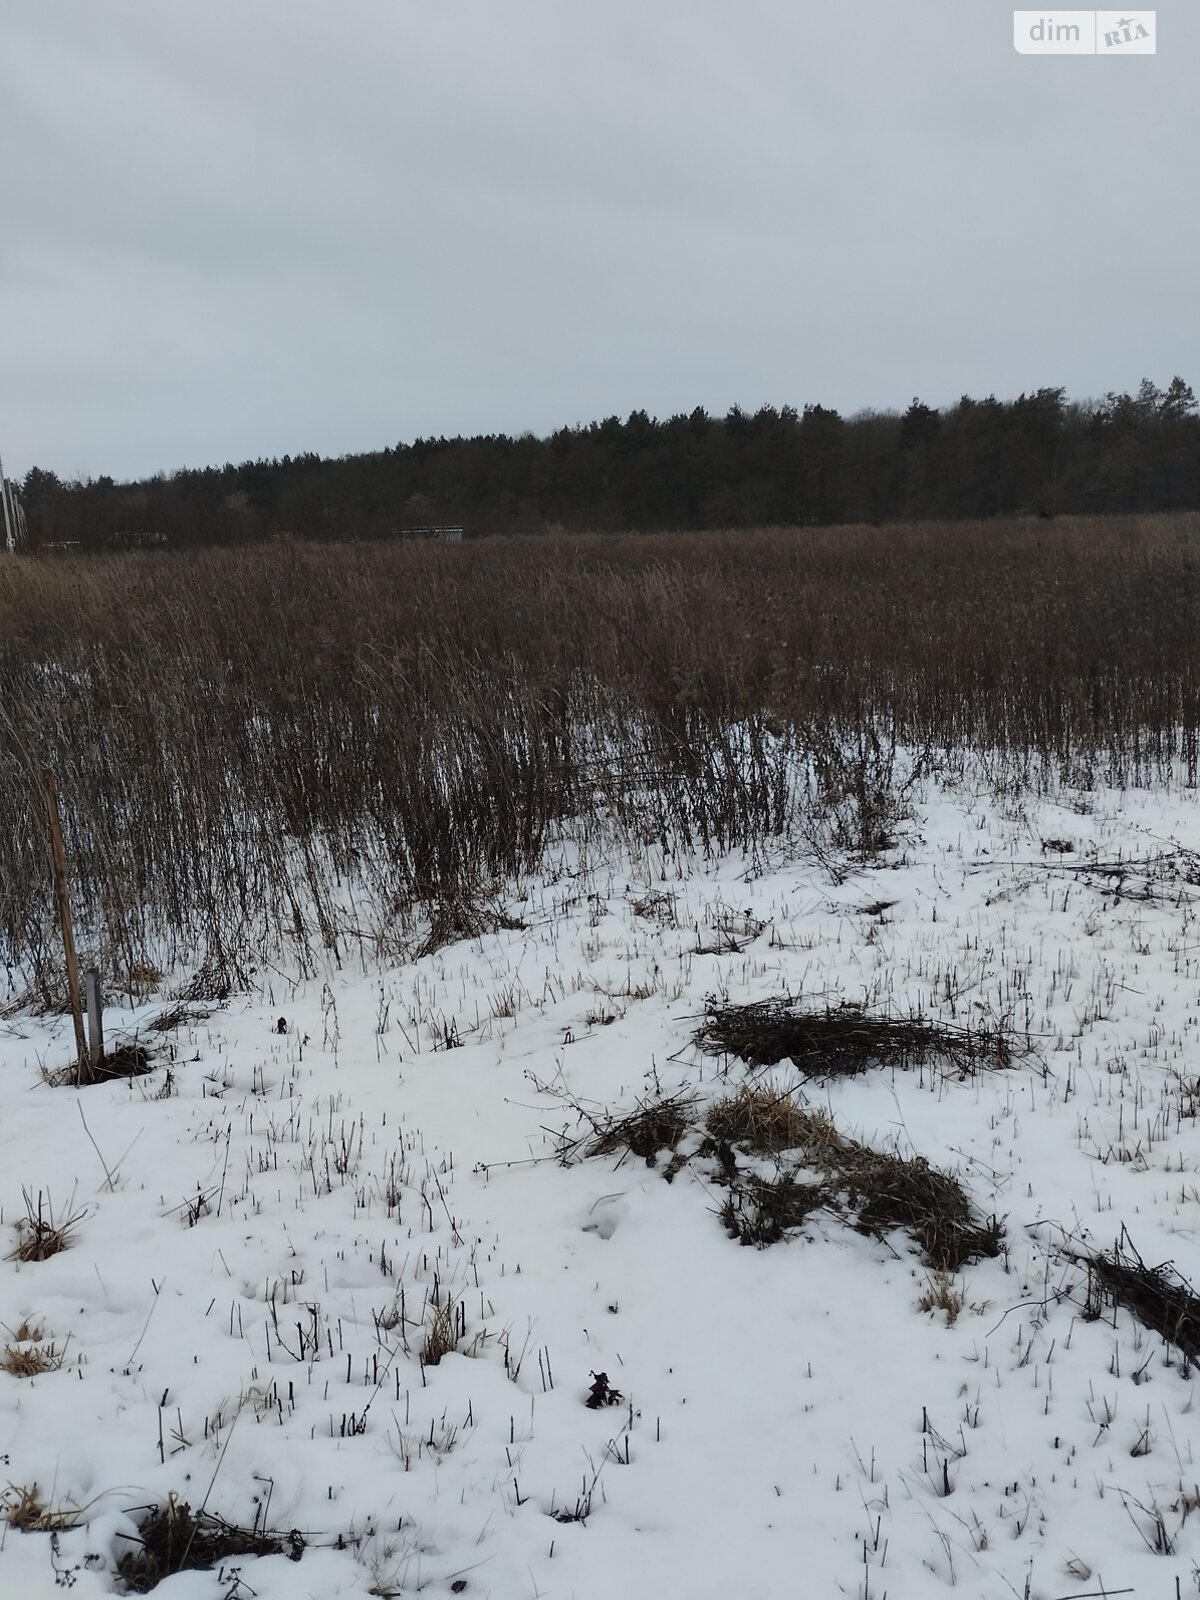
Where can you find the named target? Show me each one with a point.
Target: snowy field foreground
(320, 1179)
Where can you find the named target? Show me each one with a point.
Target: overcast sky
(245, 228)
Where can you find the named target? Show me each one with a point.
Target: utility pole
(10, 536)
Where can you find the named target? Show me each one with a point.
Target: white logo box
(1085, 33)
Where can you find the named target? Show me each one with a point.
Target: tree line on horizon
(1038, 455)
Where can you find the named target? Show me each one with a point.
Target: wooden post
(58, 856)
(95, 1019)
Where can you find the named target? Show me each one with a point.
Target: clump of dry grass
(214, 980)
(759, 1120)
(31, 1361)
(26, 1510)
(123, 1061)
(26, 1332)
(890, 1192)
(1158, 1297)
(42, 1234)
(942, 1293)
(658, 1123)
(761, 1211)
(818, 1169)
(657, 906)
(173, 1538)
(846, 1039)
(28, 1355)
(880, 1190)
(446, 1331)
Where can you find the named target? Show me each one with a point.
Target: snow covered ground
(267, 1227)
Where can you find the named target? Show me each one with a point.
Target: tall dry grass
(286, 741)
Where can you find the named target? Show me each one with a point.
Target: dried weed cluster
(779, 1162)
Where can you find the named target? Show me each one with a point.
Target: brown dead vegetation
(1158, 1297)
(26, 1510)
(174, 1538)
(816, 1168)
(879, 1191)
(41, 1232)
(835, 1041)
(422, 720)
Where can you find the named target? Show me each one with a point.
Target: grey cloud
(240, 229)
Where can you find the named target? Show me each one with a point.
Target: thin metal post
(95, 1019)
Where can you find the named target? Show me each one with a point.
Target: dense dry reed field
(302, 743)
